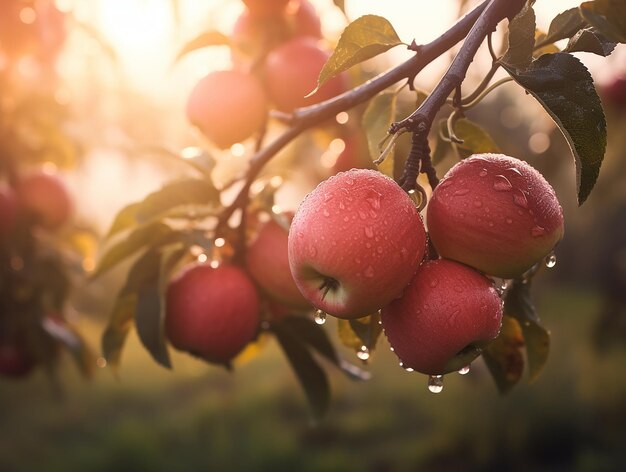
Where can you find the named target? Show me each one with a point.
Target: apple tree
(441, 264)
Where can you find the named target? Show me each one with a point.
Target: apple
(614, 93)
(447, 315)
(15, 362)
(212, 313)
(45, 197)
(8, 210)
(291, 72)
(355, 243)
(266, 7)
(268, 264)
(228, 106)
(494, 213)
(303, 19)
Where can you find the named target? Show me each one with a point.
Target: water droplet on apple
(363, 353)
(490, 224)
(368, 245)
(409, 369)
(350, 181)
(379, 250)
(458, 289)
(537, 231)
(374, 201)
(460, 192)
(519, 198)
(501, 184)
(357, 260)
(404, 252)
(312, 251)
(328, 196)
(464, 370)
(362, 215)
(483, 173)
(369, 272)
(515, 171)
(509, 221)
(435, 383)
(346, 218)
(392, 349)
(342, 206)
(433, 283)
(550, 260)
(369, 232)
(319, 317)
(326, 213)
(478, 203)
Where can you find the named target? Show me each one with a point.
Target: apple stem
(327, 285)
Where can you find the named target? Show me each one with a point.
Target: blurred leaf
(521, 39)
(142, 273)
(206, 39)
(69, 336)
(360, 332)
(565, 89)
(311, 376)
(380, 113)
(99, 38)
(145, 236)
(519, 305)
(157, 204)
(364, 38)
(149, 324)
(504, 356)
(475, 139)
(120, 322)
(608, 17)
(565, 25)
(588, 40)
(549, 48)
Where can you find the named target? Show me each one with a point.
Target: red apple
(448, 313)
(15, 362)
(494, 213)
(266, 7)
(227, 106)
(291, 72)
(8, 210)
(614, 93)
(303, 19)
(211, 313)
(268, 264)
(355, 243)
(45, 197)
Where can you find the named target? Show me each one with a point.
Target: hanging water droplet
(319, 317)
(501, 184)
(550, 260)
(409, 369)
(363, 353)
(391, 349)
(435, 383)
(464, 370)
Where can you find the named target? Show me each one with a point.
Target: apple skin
(494, 213)
(355, 242)
(291, 72)
(212, 313)
(44, 196)
(15, 362)
(448, 313)
(267, 262)
(8, 210)
(614, 93)
(228, 106)
(266, 7)
(303, 19)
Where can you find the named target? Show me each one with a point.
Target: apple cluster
(358, 245)
(277, 57)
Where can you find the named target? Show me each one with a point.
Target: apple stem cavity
(329, 284)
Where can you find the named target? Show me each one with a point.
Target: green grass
(203, 418)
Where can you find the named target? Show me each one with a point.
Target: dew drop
(460, 192)
(363, 353)
(550, 260)
(328, 196)
(326, 213)
(312, 251)
(433, 283)
(374, 201)
(520, 199)
(537, 231)
(483, 173)
(362, 215)
(369, 232)
(369, 272)
(478, 203)
(346, 218)
(435, 383)
(342, 206)
(404, 252)
(379, 250)
(392, 349)
(319, 317)
(501, 184)
(458, 289)
(490, 224)
(409, 369)
(464, 370)
(350, 181)
(509, 221)
(368, 245)
(515, 171)
(357, 260)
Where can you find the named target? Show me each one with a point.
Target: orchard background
(95, 92)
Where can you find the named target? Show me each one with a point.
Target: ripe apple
(268, 264)
(211, 312)
(448, 313)
(494, 213)
(228, 106)
(355, 243)
(266, 7)
(614, 93)
(303, 19)
(8, 210)
(44, 196)
(14, 360)
(291, 72)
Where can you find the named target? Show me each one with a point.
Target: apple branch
(420, 121)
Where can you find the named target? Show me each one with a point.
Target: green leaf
(145, 236)
(519, 305)
(120, 322)
(565, 25)
(364, 38)
(157, 204)
(208, 38)
(142, 273)
(588, 40)
(475, 139)
(149, 324)
(521, 39)
(504, 356)
(311, 376)
(608, 16)
(378, 116)
(565, 89)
